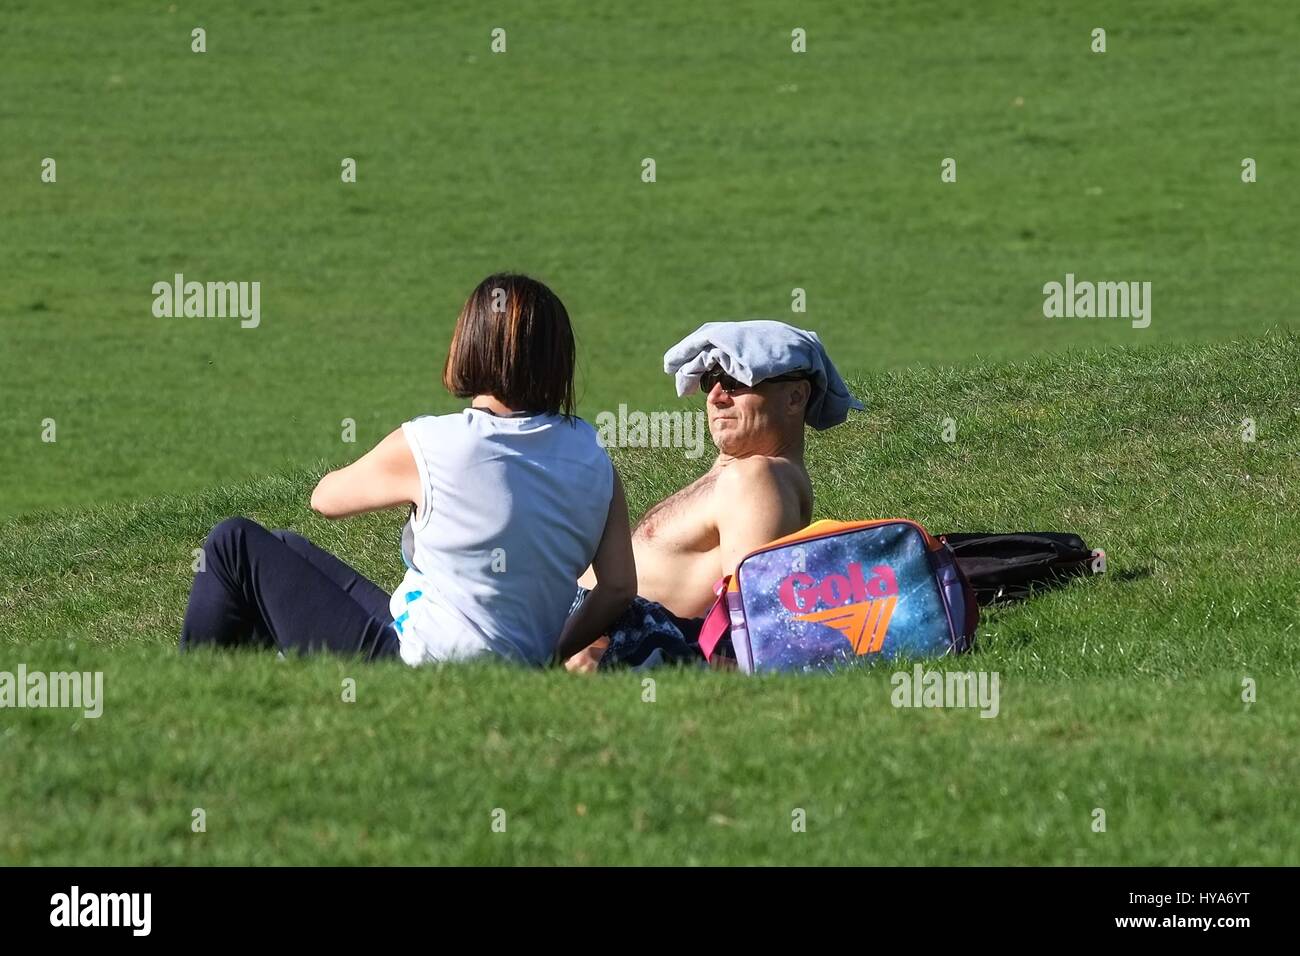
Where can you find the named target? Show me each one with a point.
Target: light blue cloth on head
(756, 349)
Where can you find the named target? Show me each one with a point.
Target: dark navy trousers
(277, 589)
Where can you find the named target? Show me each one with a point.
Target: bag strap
(718, 621)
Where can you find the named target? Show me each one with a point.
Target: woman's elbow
(321, 503)
(620, 590)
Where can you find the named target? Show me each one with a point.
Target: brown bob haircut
(513, 341)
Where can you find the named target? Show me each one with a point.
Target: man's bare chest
(684, 521)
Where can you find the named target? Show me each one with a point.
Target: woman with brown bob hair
(509, 501)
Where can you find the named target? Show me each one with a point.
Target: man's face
(755, 420)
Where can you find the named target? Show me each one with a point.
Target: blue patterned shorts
(647, 634)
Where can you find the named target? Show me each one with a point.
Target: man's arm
(753, 506)
(383, 477)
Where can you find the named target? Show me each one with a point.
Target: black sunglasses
(715, 376)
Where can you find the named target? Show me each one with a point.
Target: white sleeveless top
(512, 511)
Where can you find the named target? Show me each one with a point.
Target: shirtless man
(757, 490)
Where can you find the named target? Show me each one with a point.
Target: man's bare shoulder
(761, 499)
(759, 474)
(764, 481)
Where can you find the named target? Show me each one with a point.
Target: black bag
(1009, 567)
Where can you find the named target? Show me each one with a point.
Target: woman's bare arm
(384, 477)
(615, 570)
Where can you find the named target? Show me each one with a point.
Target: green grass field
(774, 171)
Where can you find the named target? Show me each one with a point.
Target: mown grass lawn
(775, 171)
(1121, 693)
